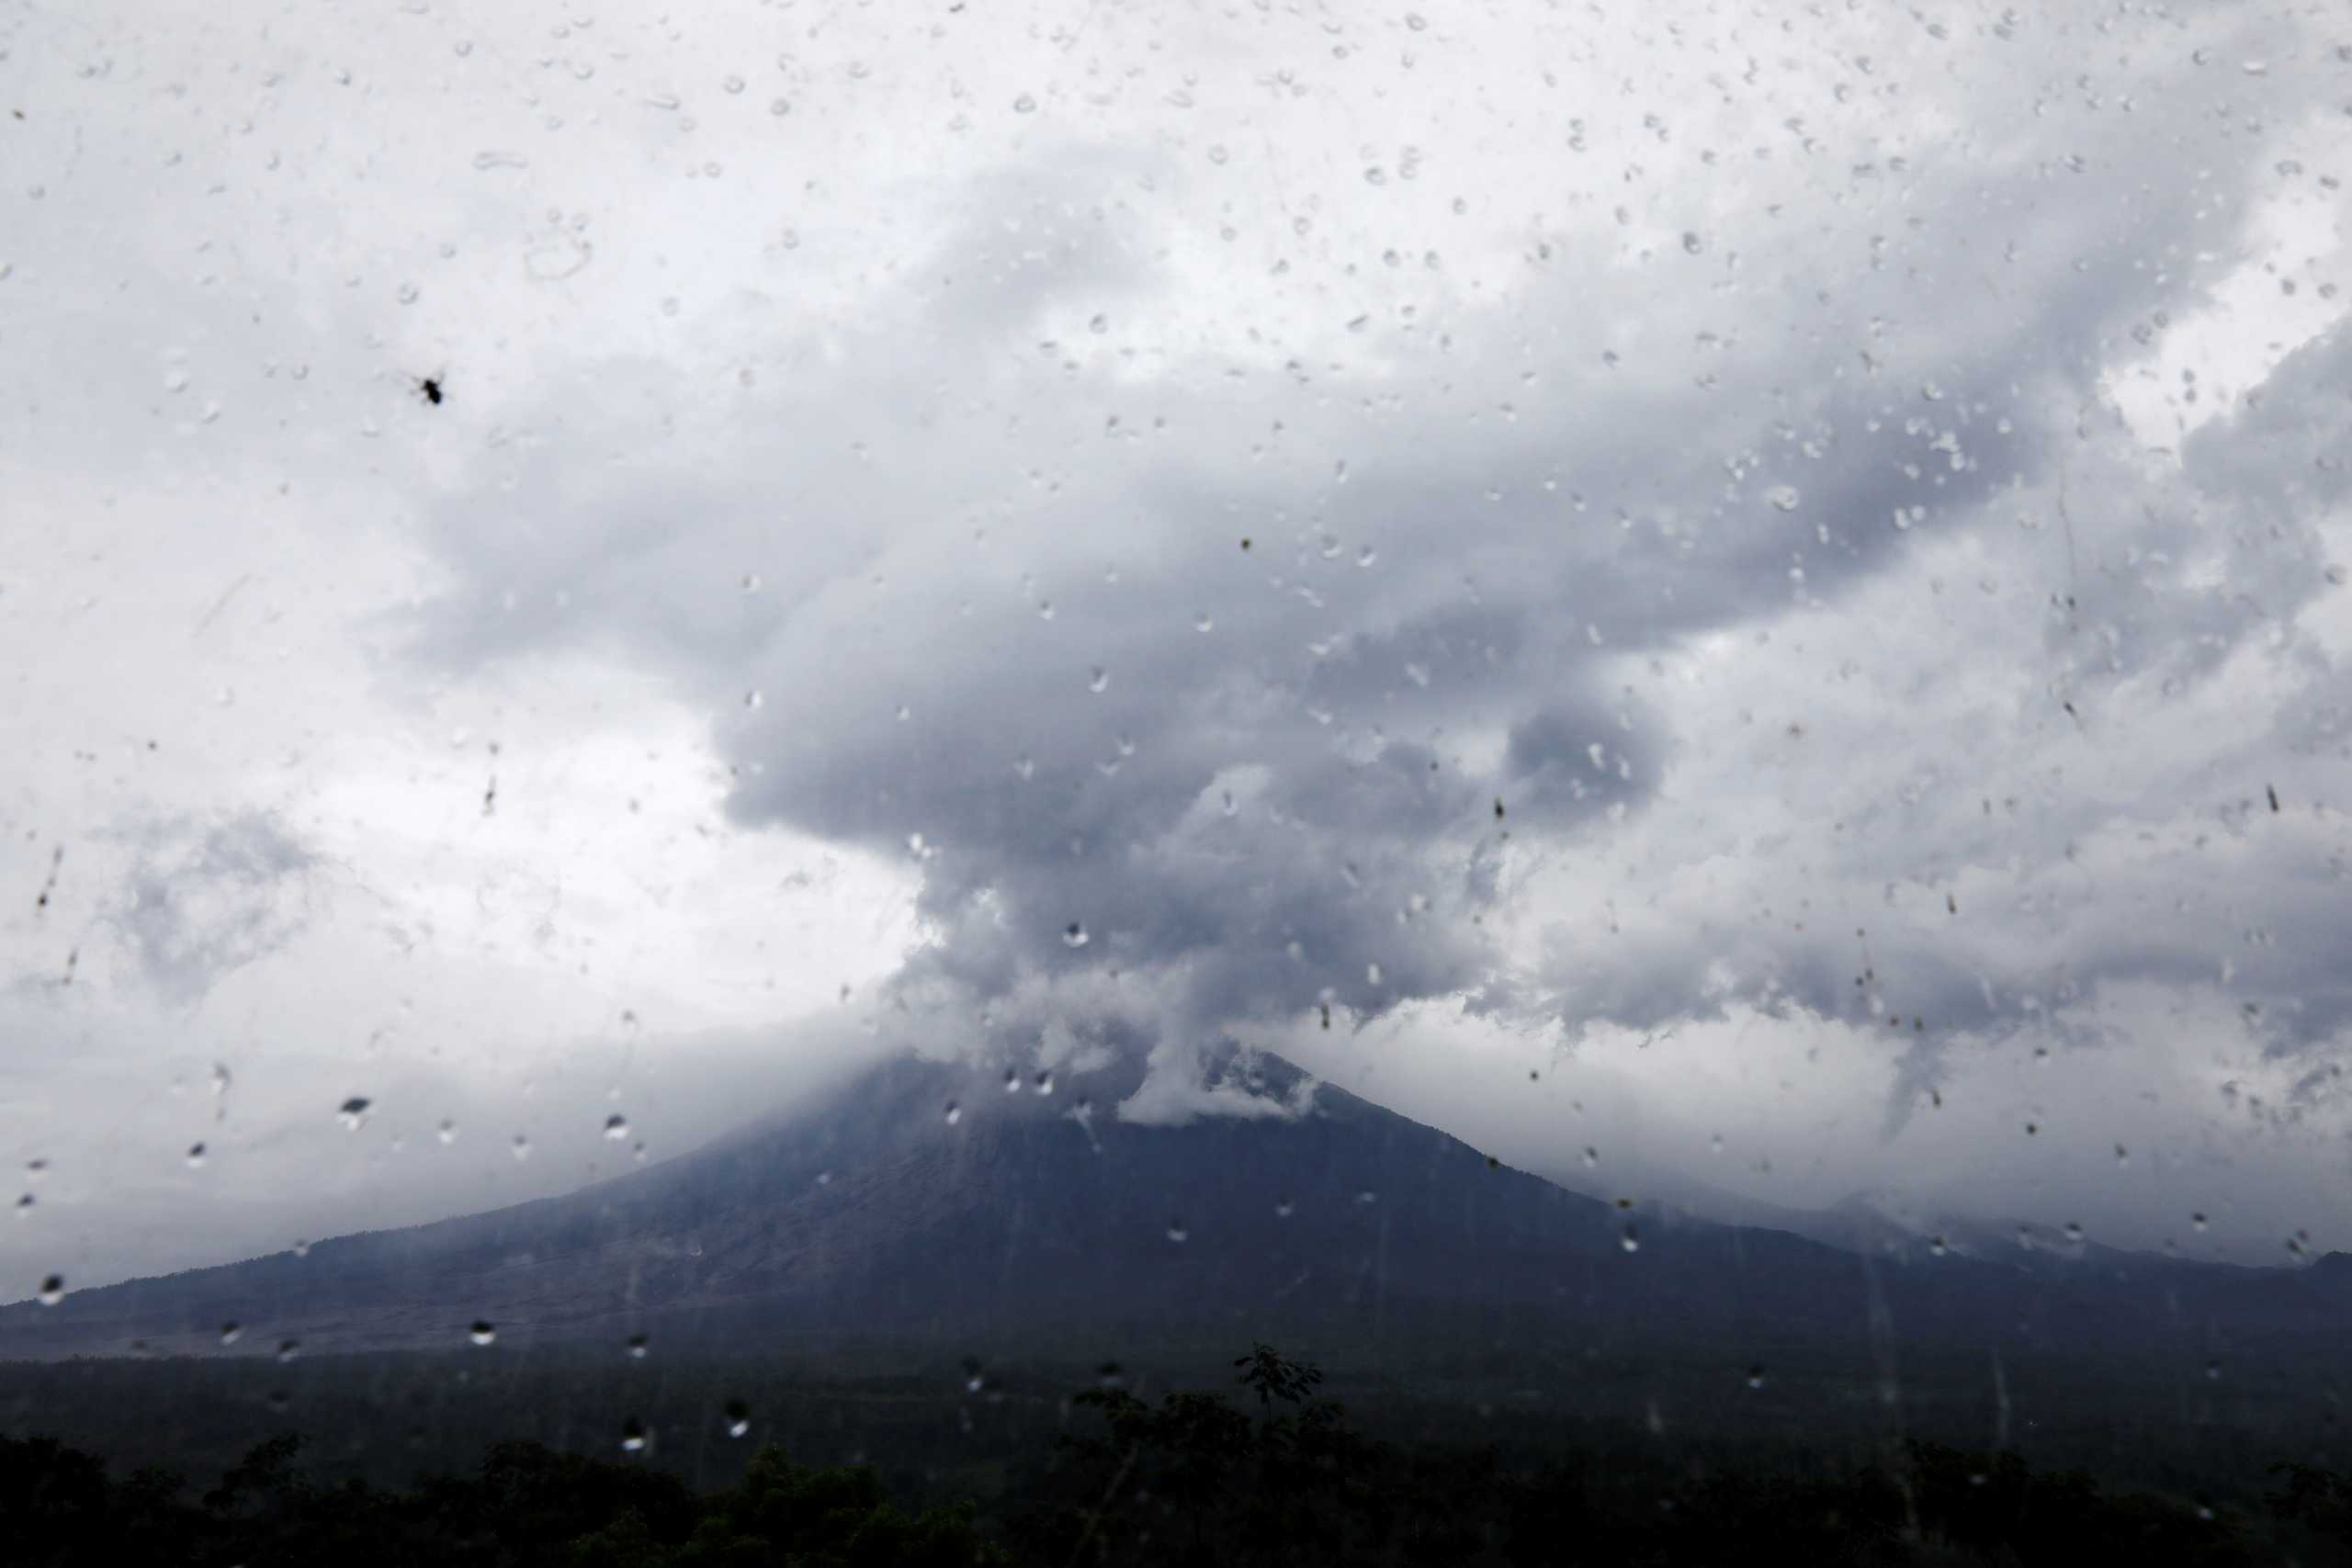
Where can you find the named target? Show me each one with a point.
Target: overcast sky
(1758, 589)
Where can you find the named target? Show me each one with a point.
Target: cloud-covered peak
(1815, 536)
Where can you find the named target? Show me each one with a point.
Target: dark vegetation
(1266, 1469)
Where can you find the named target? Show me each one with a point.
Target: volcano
(936, 1203)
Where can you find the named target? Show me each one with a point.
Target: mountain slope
(873, 1214)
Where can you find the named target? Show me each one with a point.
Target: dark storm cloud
(1008, 622)
(1567, 759)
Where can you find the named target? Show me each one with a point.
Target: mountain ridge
(932, 1200)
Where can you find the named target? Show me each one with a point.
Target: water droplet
(195, 1157)
(289, 1349)
(353, 1112)
(955, 1113)
(1025, 104)
(975, 1378)
(2197, 1221)
(1201, 623)
(1937, 1246)
(739, 1418)
(1756, 1375)
(52, 1289)
(447, 1132)
(1629, 1241)
(633, 1437)
(24, 1206)
(1011, 1082)
(483, 1333)
(1099, 680)
(1782, 497)
(733, 83)
(2213, 1370)
(176, 380)
(754, 699)
(1366, 556)
(1045, 1081)
(617, 1126)
(232, 1332)
(1282, 1208)
(636, 1346)
(1591, 1156)
(1176, 1233)
(1098, 325)
(1074, 935)
(1691, 244)
(1372, 973)
(1416, 21)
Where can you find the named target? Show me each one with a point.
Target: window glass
(1610, 726)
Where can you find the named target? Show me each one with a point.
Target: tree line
(1264, 1473)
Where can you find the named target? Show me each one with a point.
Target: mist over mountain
(951, 1206)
